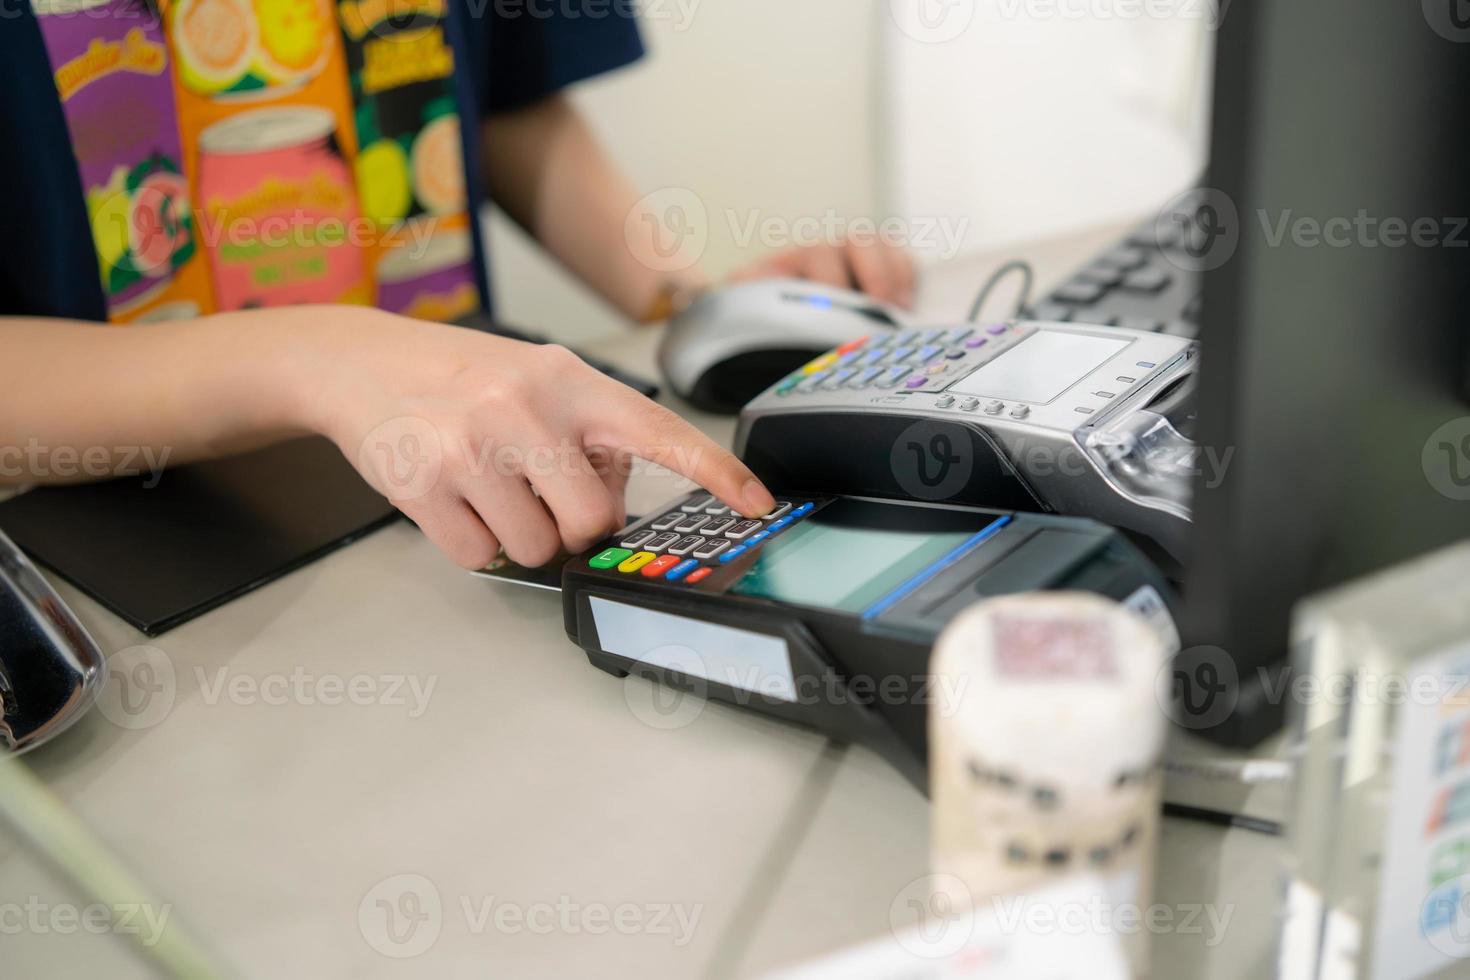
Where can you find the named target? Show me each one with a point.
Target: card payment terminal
(1054, 417)
(824, 612)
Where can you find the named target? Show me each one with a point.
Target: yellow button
(820, 364)
(631, 565)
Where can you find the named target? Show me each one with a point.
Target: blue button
(875, 355)
(911, 337)
(893, 377)
(926, 353)
(681, 569)
(866, 378)
(782, 524)
(847, 359)
(756, 539)
(733, 553)
(803, 510)
(900, 353)
(934, 335)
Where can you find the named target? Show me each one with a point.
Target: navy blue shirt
(515, 52)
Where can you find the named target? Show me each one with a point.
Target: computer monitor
(1335, 326)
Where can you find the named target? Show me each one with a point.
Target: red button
(851, 346)
(699, 575)
(660, 565)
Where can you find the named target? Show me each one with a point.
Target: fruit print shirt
(200, 155)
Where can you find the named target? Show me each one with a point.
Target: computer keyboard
(1144, 282)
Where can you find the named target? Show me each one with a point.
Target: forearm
(83, 400)
(547, 169)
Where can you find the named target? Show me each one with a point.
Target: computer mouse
(736, 341)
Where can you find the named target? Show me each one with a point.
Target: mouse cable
(1022, 301)
(1219, 818)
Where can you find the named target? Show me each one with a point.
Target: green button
(788, 386)
(611, 558)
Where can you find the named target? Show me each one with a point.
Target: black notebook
(159, 555)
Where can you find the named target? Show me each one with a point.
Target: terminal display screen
(853, 553)
(1041, 367)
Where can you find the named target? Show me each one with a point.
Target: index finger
(656, 434)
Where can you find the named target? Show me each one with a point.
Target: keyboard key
(782, 524)
(814, 382)
(636, 541)
(743, 530)
(698, 575)
(783, 507)
(875, 356)
(852, 345)
(1124, 259)
(848, 359)
(717, 526)
(718, 510)
(803, 510)
(692, 524)
(1146, 281)
(865, 378)
(820, 365)
(667, 521)
(637, 562)
(687, 545)
(610, 558)
(757, 538)
(927, 354)
(661, 542)
(893, 377)
(910, 338)
(914, 384)
(1102, 275)
(659, 566)
(1080, 291)
(955, 336)
(839, 378)
(732, 554)
(711, 549)
(698, 504)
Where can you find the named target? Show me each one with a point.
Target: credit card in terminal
(548, 577)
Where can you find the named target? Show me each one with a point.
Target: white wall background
(1009, 119)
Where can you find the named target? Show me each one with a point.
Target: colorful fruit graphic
(108, 206)
(438, 168)
(215, 41)
(158, 222)
(141, 225)
(383, 183)
(240, 49)
(295, 38)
